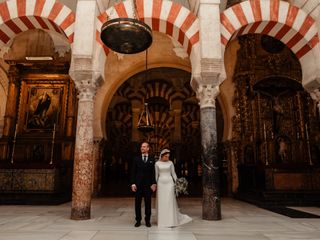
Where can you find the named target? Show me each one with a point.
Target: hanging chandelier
(126, 35)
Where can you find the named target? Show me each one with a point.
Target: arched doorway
(175, 114)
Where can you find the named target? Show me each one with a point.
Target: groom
(143, 183)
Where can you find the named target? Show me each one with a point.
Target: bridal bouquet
(181, 186)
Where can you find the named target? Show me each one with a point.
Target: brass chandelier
(126, 35)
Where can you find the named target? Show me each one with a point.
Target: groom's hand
(133, 188)
(153, 187)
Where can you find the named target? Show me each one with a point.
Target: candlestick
(14, 143)
(52, 146)
(308, 145)
(265, 142)
(15, 131)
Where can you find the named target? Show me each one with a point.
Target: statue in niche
(282, 147)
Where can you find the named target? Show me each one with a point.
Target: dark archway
(175, 114)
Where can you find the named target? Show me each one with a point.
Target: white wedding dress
(168, 214)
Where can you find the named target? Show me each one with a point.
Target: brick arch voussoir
(298, 33)
(19, 16)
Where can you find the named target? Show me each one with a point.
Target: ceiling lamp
(126, 35)
(145, 122)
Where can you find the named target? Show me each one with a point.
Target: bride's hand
(153, 187)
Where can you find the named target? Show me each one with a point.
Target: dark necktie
(144, 158)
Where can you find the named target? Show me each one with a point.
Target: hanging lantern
(126, 35)
(145, 122)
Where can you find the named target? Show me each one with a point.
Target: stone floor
(113, 219)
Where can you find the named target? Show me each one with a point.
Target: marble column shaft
(96, 183)
(83, 160)
(211, 205)
(210, 163)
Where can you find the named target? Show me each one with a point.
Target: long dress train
(168, 214)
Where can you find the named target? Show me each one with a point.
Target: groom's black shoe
(148, 224)
(137, 224)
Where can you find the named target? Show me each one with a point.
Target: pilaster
(12, 101)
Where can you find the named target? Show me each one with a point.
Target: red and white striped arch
(275, 18)
(17, 16)
(161, 15)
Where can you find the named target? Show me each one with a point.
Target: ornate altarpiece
(276, 125)
(38, 142)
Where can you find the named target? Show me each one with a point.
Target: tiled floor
(113, 219)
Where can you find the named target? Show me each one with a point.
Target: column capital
(86, 81)
(207, 93)
(86, 90)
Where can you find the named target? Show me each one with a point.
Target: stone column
(211, 205)
(206, 85)
(86, 76)
(97, 169)
(176, 110)
(84, 154)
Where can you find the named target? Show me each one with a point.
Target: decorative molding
(207, 95)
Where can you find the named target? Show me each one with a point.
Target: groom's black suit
(143, 176)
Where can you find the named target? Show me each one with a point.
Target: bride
(167, 209)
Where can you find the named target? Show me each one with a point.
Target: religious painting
(43, 107)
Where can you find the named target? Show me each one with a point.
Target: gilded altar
(37, 146)
(275, 143)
